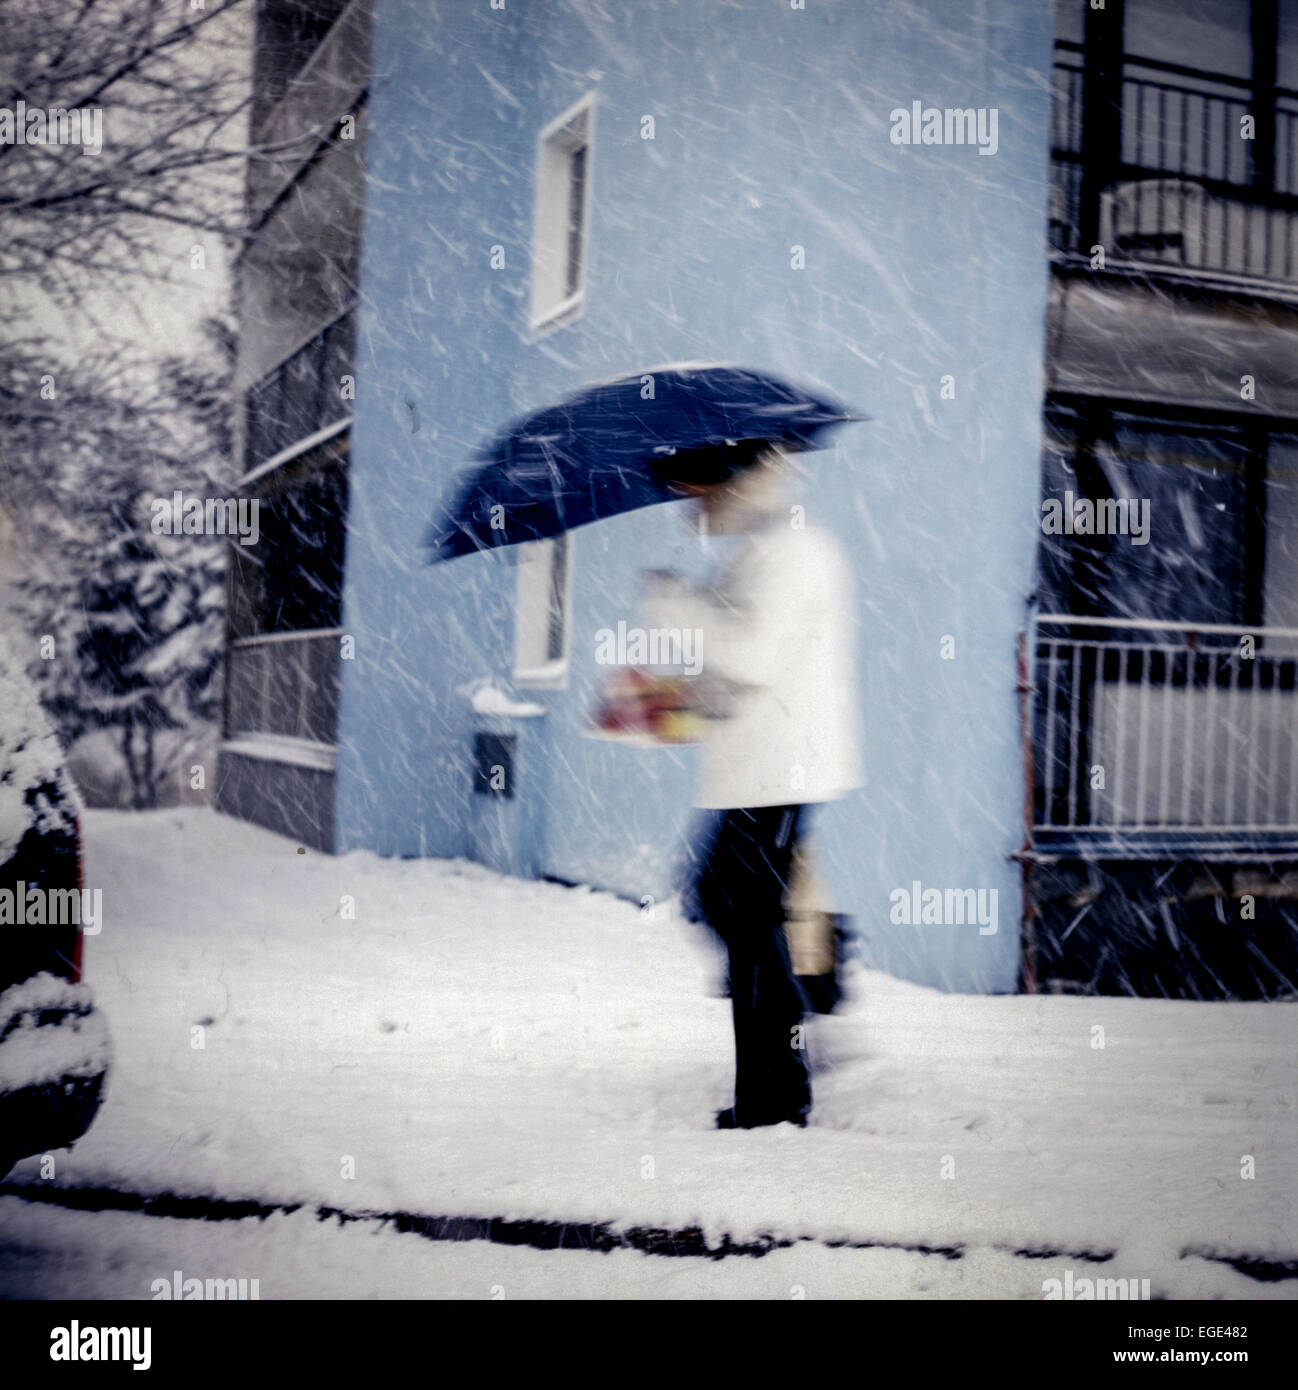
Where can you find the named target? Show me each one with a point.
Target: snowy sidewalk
(483, 1047)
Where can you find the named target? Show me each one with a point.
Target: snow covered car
(53, 1041)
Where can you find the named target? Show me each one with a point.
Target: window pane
(1065, 584)
(558, 617)
(279, 425)
(1287, 48)
(322, 671)
(532, 618)
(245, 585)
(1193, 567)
(541, 611)
(1281, 597)
(339, 361)
(1070, 20)
(304, 541)
(247, 683)
(292, 579)
(256, 443)
(301, 396)
(284, 694)
(1193, 562)
(1213, 35)
(576, 212)
(302, 374)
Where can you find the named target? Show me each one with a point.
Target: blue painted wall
(772, 131)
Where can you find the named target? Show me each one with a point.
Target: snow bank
(34, 1052)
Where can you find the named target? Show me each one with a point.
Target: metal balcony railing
(284, 685)
(1151, 738)
(1178, 186)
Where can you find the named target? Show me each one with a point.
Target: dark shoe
(729, 1119)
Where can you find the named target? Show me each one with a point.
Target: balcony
(1160, 176)
(300, 100)
(283, 688)
(290, 408)
(1163, 740)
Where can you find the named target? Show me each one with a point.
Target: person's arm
(747, 630)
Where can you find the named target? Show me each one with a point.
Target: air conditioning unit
(1154, 220)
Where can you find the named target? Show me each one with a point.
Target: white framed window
(542, 613)
(561, 217)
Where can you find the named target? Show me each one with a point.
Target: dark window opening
(291, 580)
(557, 613)
(1201, 491)
(576, 219)
(282, 674)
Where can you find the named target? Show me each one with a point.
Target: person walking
(777, 690)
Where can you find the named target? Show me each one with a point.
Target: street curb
(540, 1234)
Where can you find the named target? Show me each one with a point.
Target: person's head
(737, 485)
(690, 471)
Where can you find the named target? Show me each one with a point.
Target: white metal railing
(283, 685)
(1163, 730)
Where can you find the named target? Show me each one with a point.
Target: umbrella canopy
(600, 452)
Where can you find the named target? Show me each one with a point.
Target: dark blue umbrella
(601, 452)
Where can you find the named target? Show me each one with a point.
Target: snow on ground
(481, 1046)
(72, 1039)
(49, 1253)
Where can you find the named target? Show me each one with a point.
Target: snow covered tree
(126, 625)
(125, 118)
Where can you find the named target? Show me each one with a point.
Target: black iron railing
(1176, 180)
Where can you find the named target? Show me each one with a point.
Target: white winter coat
(777, 644)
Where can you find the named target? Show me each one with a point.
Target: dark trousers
(739, 893)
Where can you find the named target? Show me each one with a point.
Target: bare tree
(168, 79)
